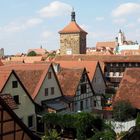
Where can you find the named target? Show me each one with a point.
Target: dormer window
(14, 84)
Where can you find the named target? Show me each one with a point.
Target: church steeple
(73, 15)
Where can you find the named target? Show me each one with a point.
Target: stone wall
(72, 43)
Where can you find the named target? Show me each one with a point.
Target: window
(30, 121)
(75, 106)
(52, 90)
(49, 75)
(69, 51)
(14, 84)
(83, 88)
(95, 103)
(46, 91)
(86, 103)
(81, 105)
(114, 73)
(16, 99)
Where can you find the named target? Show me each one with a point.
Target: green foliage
(104, 135)
(122, 134)
(138, 120)
(123, 111)
(32, 53)
(51, 55)
(52, 119)
(85, 124)
(67, 121)
(51, 135)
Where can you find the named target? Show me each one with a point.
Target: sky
(29, 24)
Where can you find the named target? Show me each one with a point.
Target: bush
(32, 53)
(123, 111)
(138, 120)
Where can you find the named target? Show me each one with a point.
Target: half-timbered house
(77, 89)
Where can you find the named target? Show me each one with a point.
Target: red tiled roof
(103, 58)
(38, 51)
(129, 88)
(89, 65)
(31, 75)
(130, 52)
(30, 79)
(110, 44)
(23, 59)
(1, 64)
(9, 100)
(4, 75)
(72, 27)
(69, 80)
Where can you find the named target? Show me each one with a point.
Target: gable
(98, 82)
(23, 98)
(50, 82)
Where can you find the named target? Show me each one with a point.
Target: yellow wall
(26, 106)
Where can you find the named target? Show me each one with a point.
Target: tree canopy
(85, 124)
(32, 53)
(123, 111)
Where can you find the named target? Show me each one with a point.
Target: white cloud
(18, 26)
(99, 18)
(101, 35)
(33, 22)
(12, 27)
(138, 20)
(130, 25)
(119, 21)
(55, 8)
(126, 9)
(46, 34)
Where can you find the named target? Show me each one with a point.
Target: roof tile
(69, 80)
(72, 27)
(129, 87)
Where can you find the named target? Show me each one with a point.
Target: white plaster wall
(98, 83)
(26, 106)
(48, 83)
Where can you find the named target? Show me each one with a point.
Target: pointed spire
(73, 15)
(120, 31)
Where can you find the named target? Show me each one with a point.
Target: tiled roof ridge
(72, 27)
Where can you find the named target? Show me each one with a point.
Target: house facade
(93, 70)
(12, 128)
(15, 88)
(77, 89)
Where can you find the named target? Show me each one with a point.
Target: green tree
(51, 135)
(138, 120)
(85, 124)
(32, 53)
(106, 134)
(123, 111)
